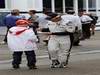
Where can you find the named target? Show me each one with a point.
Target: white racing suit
(78, 31)
(59, 45)
(78, 27)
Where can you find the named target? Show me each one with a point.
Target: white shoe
(2, 43)
(55, 64)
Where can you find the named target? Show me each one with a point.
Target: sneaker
(2, 43)
(93, 33)
(33, 67)
(16, 66)
(53, 66)
(55, 63)
(62, 65)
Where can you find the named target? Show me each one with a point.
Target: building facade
(53, 5)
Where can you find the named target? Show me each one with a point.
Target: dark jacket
(10, 20)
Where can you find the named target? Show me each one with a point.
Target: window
(2, 3)
(80, 4)
(92, 4)
(58, 4)
(47, 4)
(69, 4)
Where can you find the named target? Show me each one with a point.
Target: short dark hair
(51, 15)
(33, 11)
(13, 13)
(70, 12)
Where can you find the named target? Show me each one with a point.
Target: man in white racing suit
(59, 42)
(76, 22)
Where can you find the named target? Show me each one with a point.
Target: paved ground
(84, 60)
(86, 64)
(92, 44)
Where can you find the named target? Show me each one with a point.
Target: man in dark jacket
(94, 21)
(9, 21)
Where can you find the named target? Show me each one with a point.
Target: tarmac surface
(84, 60)
(88, 45)
(86, 64)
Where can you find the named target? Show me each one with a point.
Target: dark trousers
(72, 39)
(86, 30)
(30, 55)
(5, 39)
(35, 31)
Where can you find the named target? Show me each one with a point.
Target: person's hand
(47, 33)
(39, 29)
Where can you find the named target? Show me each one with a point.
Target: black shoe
(16, 66)
(33, 67)
(63, 65)
(55, 63)
(93, 33)
(76, 45)
(53, 66)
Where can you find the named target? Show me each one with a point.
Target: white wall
(99, 4)
(25, 5)
(19, 4)
(38, 5)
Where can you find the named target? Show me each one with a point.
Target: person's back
(10, 20)
(86, 24)
(69, 16)
(85, 19)
(22, 39)
(95, 18)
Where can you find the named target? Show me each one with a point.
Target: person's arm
(45, 30)
(61, 33)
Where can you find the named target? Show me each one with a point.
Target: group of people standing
(88, 21)
(22, 37)
(63, 32)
